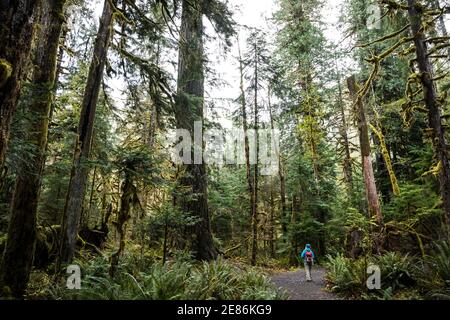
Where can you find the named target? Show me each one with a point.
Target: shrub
(179, 279)
(436, 272)
(346, 276)
(396, 271)
(440, 262)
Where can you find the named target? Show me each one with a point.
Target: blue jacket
(307, 249)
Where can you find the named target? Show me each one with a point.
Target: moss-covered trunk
(18, 255)
(193, 197)
(126, 204)
(80, 169)
(433, 106)
(16, 36)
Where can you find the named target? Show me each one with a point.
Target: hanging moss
(5, 71)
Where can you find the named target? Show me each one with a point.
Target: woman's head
(308, 246)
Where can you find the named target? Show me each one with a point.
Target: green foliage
(346, 276)
(343, 225)
(221, 17)
(307, 230)
(396, 270)
(440, 262)
(413, 212)
(399, 275)
(419, 201)
(229, 201)
(136, 161)
(167, 222)
(180, 279)
(301, 76)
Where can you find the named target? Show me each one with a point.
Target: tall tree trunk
(80, 170)
(255, 171)
(272, 220)
(154, 122)
(18, 255)
(246, 140)
(348, 171)
(433, 106)
(283, 209)
(369, 179)
(193, 197)
(16, 35)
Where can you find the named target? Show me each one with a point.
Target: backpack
(309, 256)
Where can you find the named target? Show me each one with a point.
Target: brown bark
(18, 255)
(192, 193)
(369, 178)
(80, 169)
(16, 36)
(433, 106)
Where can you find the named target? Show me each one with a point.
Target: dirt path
(295, 286)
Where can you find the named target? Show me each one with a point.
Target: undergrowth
(402, 276)
(144, 279)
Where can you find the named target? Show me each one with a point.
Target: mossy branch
(435, 170)
(438, 39)
(376, 61)
(387, 37)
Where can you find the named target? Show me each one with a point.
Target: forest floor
(295, 286)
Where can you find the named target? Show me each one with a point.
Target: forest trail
(295, 286)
